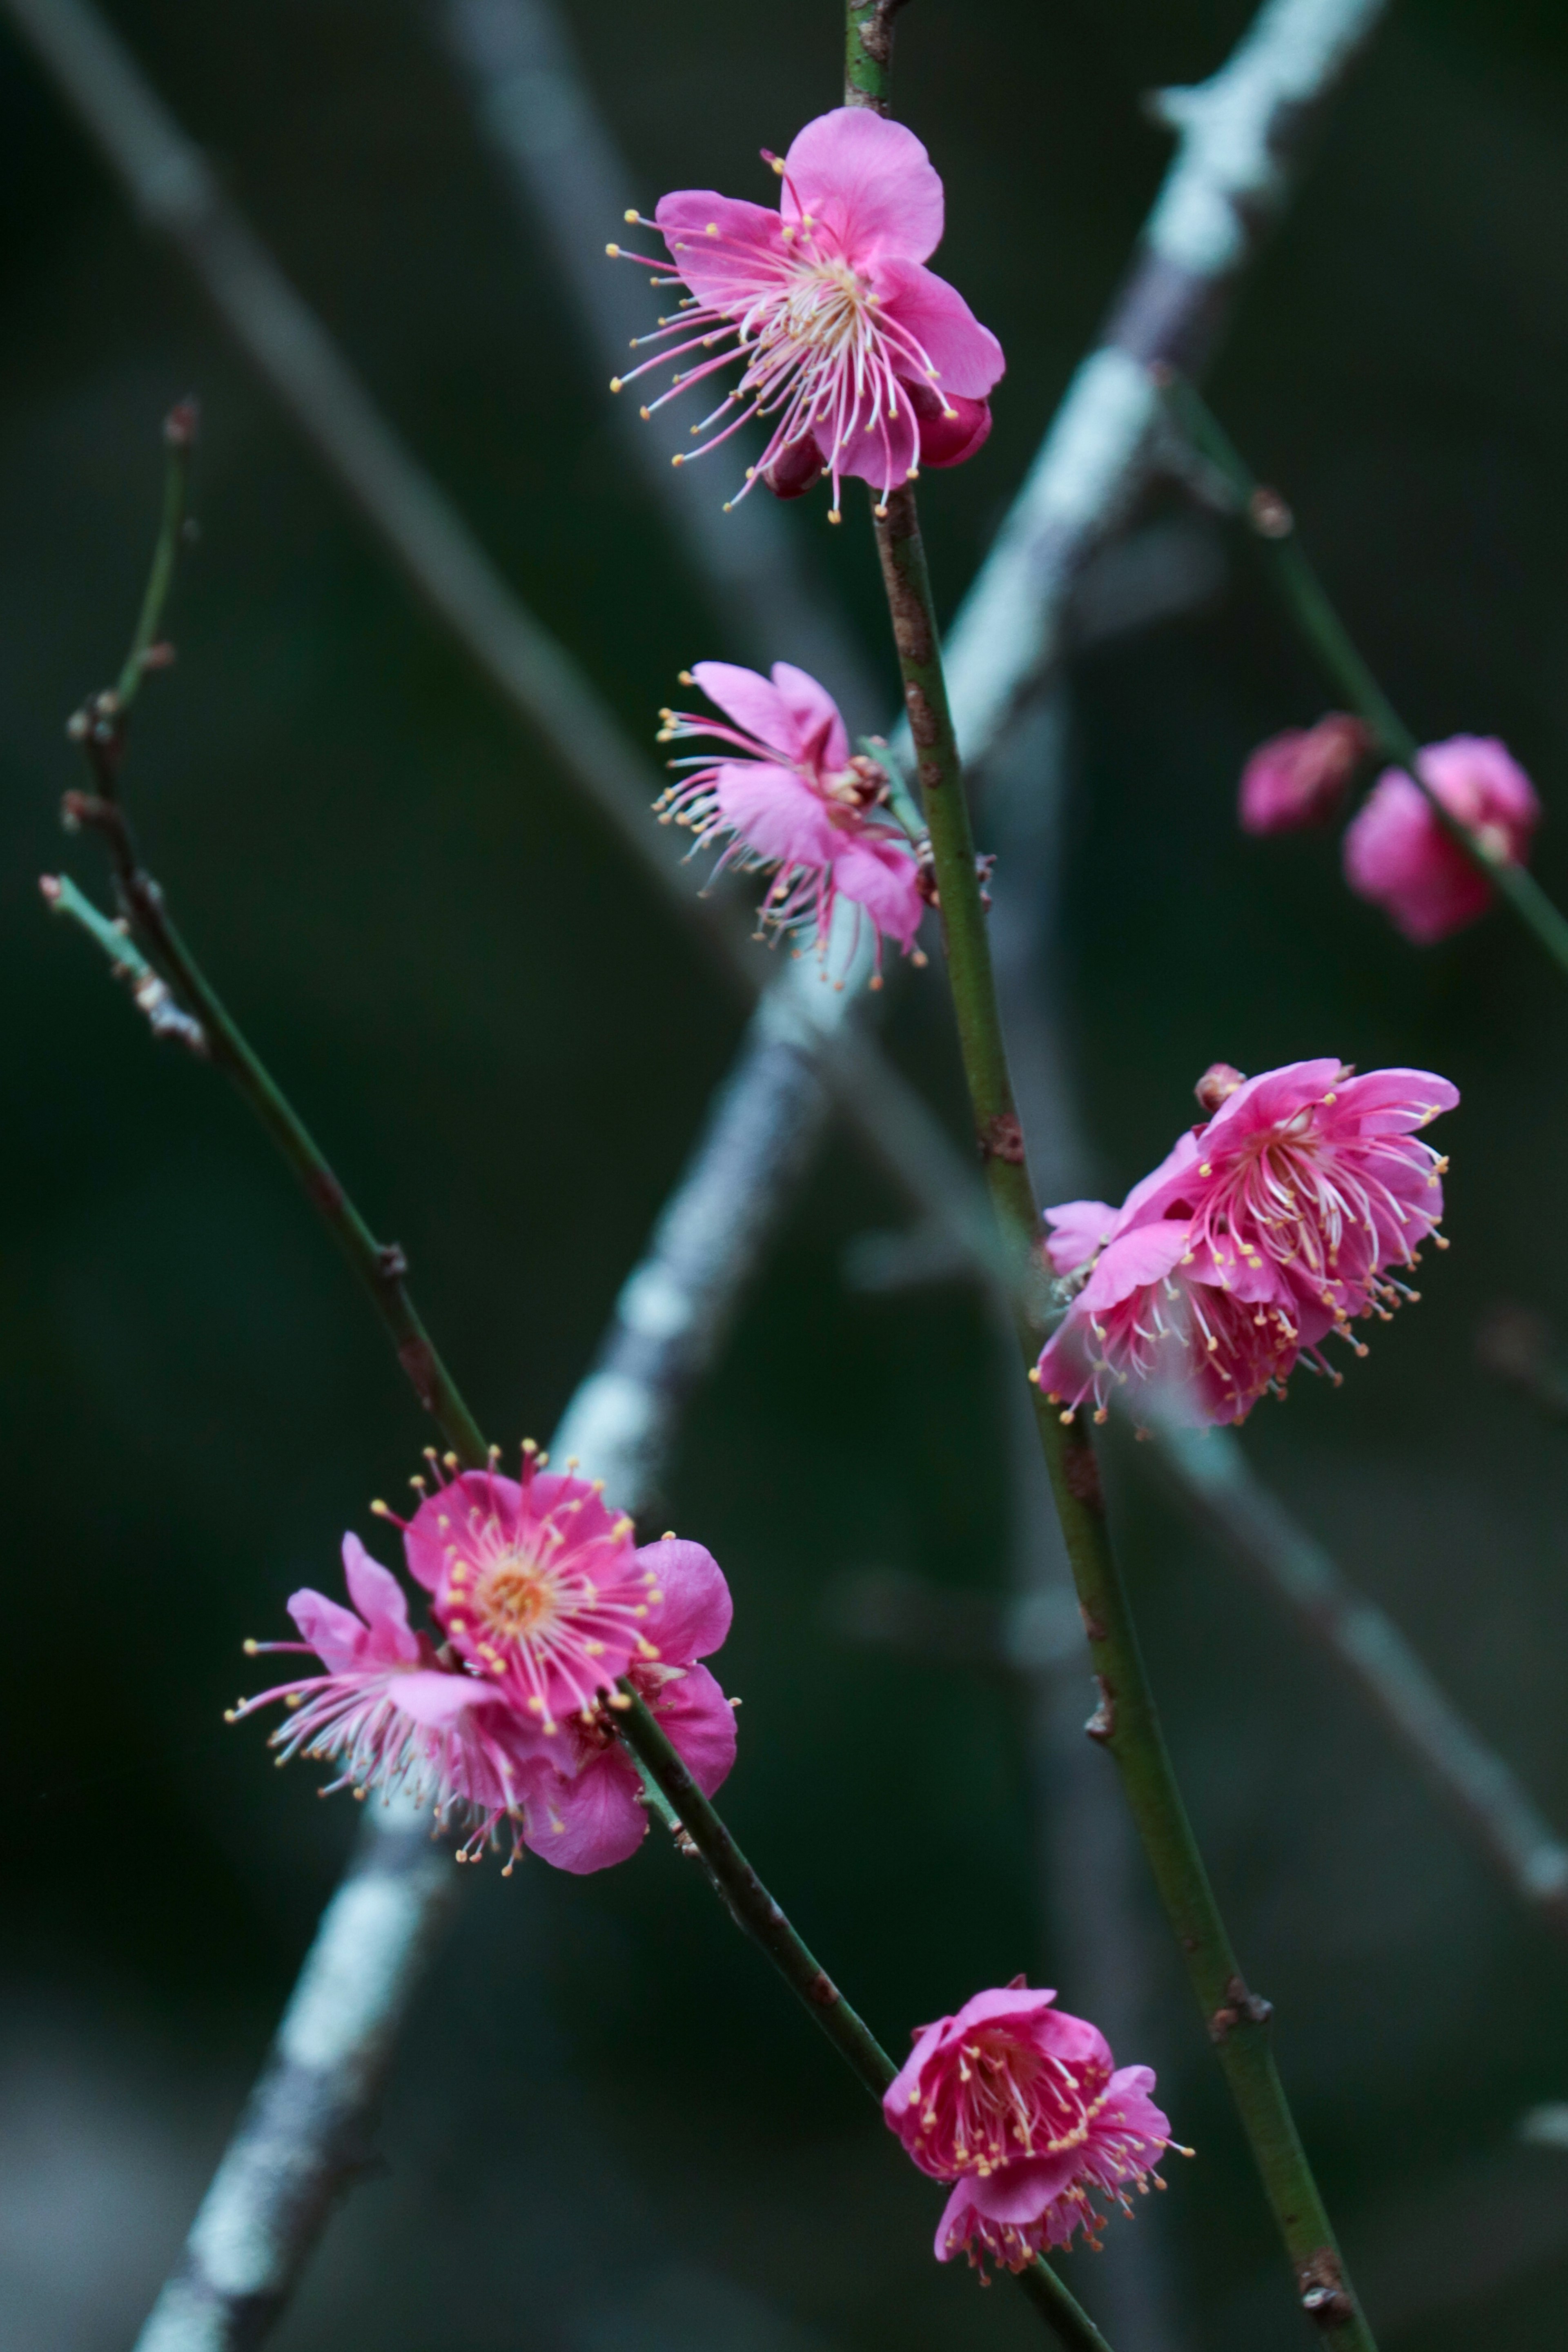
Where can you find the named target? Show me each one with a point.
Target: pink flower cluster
(1397, 853)
(862, 361)
(1022, 2108)
(795, 801)
(545, 1603)
(1273, 1225)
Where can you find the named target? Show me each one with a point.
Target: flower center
(825, 308)
(515, 1595)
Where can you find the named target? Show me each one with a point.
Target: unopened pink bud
(1219, 1081)
(1299, 777)
(180, 423)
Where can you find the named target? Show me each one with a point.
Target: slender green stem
(179, 439)
(101, 728)
(1307, 602)
(1127, 1721)
(869, 52)
(756, 1910)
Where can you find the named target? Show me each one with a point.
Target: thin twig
(757, 1912)
(1273, 529)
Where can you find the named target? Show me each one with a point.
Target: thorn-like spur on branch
(149, 993)
(178, 999)
(1229, 481)
(753, 1909)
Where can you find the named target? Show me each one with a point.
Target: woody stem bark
(1128, 1722)
(754, 1910)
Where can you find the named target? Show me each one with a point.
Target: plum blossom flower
(535, 1583)
(391, 1714)
(1023, 2108)
(1300, 778)
(552, 1604)
(862, 360)
(795, 801)
(1278, 1221)
(1397, 854)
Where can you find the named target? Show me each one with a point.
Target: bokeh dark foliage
(608, 2113)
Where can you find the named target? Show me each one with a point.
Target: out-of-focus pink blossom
(1023, 2108)
(862, 360)
(795, 801)
(1397, 854)
(535, 1583)
(1300, 778)
(584, 1812)
(1278, 1220)
(391, 1715)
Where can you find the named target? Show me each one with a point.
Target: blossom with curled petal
(391, 1715)
(1397, 854)
(791, 797)
(1280, 1219)
(859, 359)
(1024, 2109)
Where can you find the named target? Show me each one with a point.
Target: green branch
(1307, 601)
(753, 1909)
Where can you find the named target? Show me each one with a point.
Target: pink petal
(812, 716)
(775, 813)
(1078, 1228)
(756, 706)
(1156, 1195)
(881, 451)
(589, 1823)
(1134, 1259)
(967, 357)
(1019, 2193)
(1273, 1095)
(728, 270)
(700, 1720)
(695, 1618)
(436, 1696)
(867, 182)
(950, 436)
(381, 1601)
(334, 1633)
(882, 877)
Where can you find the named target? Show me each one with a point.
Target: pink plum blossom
(1023, 2107)
(1278, 1221)
(552, 1603)
(535, 1583)
(391, 1714)
(795, 802)
(1397, 854)
(1300, 778)
(862, 361)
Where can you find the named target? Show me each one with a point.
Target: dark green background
(610, 2127)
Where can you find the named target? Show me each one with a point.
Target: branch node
(390, 1262)
(1241, 2007)
(1321, 2281)
(1102, 1724)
